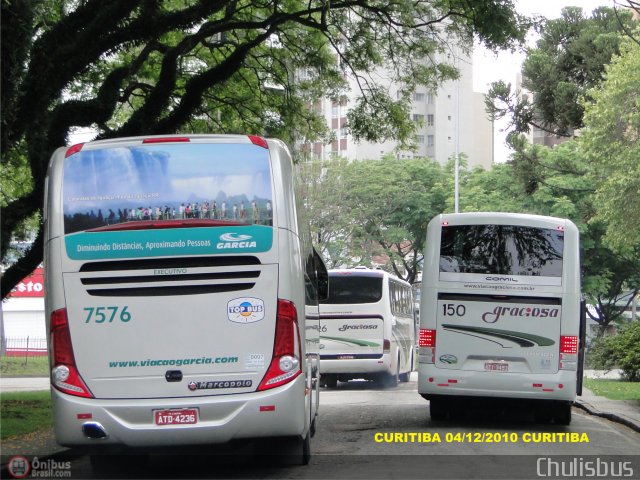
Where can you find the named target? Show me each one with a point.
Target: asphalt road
(368, 432)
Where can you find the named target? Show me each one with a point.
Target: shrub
(621, 350)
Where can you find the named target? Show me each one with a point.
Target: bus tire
(286, 451)
(562, 414)
(390, 380)
(438, 409)
(330, 381)
(405, 377)
(544, 413)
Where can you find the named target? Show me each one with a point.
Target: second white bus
(367, 328)
(501, 313)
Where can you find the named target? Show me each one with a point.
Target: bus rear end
(174, 316)
(354, 342)
(500, 311)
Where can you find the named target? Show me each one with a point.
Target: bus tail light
(285, 362)
(386, 346)
(427, 346)
(64, 373)
(568, 352)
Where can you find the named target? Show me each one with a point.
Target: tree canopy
(611, 142)
(568, 60)
(139, 67)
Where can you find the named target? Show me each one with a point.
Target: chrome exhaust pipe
(94, 430)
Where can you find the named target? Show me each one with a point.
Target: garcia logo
(232, 237)
(245, 310)
(523, 312)
(234, 240)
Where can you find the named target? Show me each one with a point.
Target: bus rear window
(501, 250)
(350, 289)
(175, 184)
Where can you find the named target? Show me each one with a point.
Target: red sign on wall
(32, 286)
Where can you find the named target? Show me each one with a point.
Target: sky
(488, 67)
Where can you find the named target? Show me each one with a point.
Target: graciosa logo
(245, 310)
(519, 312)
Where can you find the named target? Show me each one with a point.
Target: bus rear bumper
(560, 386)
(356, 368)
(274, 413)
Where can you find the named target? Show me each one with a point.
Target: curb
(609, 416)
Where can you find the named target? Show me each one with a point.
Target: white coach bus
(182, 295)
(367, 328)
(501, 313)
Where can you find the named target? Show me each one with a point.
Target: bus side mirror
(322, 275)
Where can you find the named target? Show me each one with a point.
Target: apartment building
(449, 120)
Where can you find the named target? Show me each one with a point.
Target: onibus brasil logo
(245, 310)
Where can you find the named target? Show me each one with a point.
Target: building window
(430, 120)
(431, 140)
(420, 139)
(419, 97)
(431, 99)
(417, 117)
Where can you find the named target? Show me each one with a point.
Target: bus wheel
(438, 409)
(390, 380)
(562, 414)
(287, 451)
(330, 381)
(543, 413)
(404, 377)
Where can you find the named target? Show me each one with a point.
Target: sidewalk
(43, 444)
(626, 412)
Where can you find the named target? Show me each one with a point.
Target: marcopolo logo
(193, 386)
(245, 310)
(234, 241)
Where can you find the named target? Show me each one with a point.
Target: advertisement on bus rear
(163, 200)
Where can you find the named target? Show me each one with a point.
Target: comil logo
(245, 310)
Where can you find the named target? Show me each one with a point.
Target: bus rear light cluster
(285, 362)
(427, 346)
(568, 344)
(568, 352)
(427, 338)
(64, 373)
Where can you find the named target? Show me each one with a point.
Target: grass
(24, 367)
(614, 389)
(25, 412)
